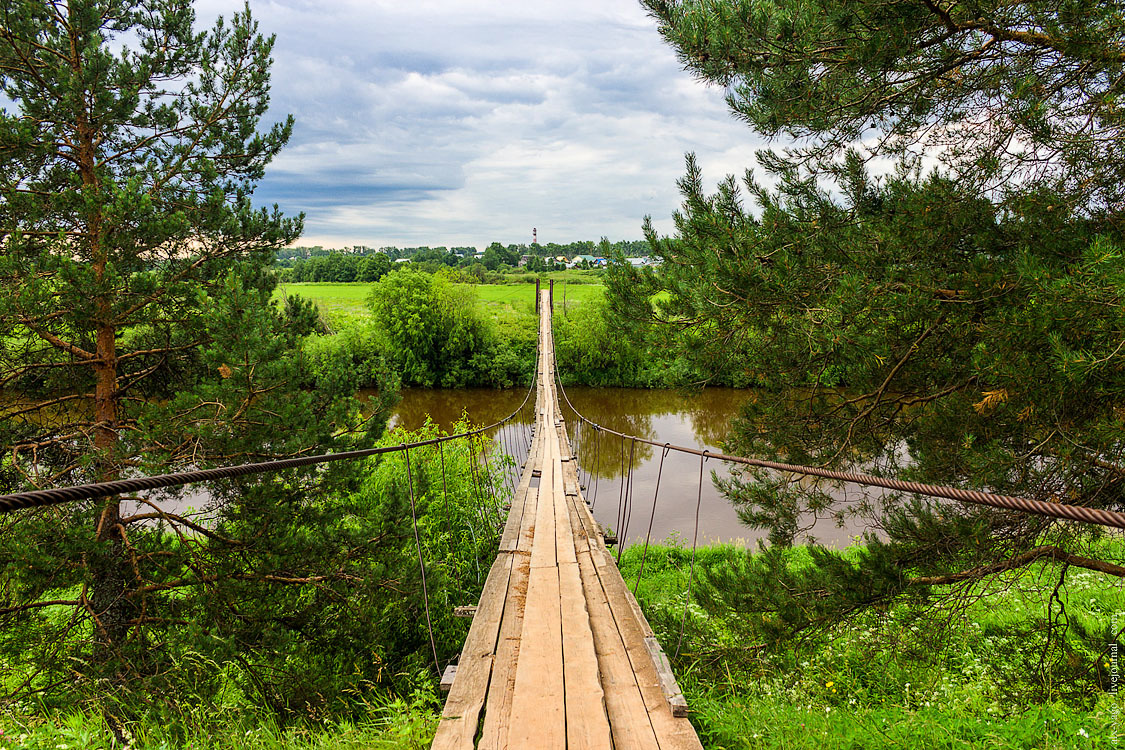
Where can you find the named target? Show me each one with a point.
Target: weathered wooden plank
(527, 523)
(543, 545)
(447, 678)
(458, 726)
(510, 538)
(625, 706)
(538, 716)
(497, 715)
(564, 534)
(587, 724)
(587, 720)
(672, 693)
(673, 733)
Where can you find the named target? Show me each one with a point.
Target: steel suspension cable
(58, 495)
(1062, 511)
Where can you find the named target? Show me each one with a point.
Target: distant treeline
(630, 248)
(367, 264)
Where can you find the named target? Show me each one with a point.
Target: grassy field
(350, 299)
(967, 677)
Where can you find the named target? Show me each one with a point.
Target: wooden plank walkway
(559, 654)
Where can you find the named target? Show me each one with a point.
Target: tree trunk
(108, 567)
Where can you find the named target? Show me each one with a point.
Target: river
(698, 419)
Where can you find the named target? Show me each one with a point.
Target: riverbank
(974, 676)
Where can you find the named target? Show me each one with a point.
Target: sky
(463, 122)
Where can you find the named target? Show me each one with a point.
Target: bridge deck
(559, 654)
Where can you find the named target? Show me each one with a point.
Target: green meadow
(350, 299)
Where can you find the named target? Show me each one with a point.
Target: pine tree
(941, 327)
(137, 334)
(1001, 92)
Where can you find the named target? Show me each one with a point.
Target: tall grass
(976, 675)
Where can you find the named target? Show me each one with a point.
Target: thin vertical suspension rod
(694, 542)
(421, 562)
(620, 518)
(597, 464)
(651, 517)
(445, 491)
(628, 513)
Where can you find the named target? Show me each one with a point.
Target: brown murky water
(699, 419)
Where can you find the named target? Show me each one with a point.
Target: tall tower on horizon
(534, 236)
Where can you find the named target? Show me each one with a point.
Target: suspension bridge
(559, 654)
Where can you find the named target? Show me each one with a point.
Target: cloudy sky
(461, 122)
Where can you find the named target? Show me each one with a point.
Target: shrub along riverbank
(484, 335)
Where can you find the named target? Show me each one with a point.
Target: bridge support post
(551, 287)
(537, 282)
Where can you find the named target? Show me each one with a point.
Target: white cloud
(453, 122)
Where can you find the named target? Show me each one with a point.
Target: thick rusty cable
(421, 562)
(651, 518)
(1063, 511)
(40, 498)
(694, 543)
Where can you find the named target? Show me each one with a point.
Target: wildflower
(829, 684)
(1082, 732)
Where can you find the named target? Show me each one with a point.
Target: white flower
(1082, 732)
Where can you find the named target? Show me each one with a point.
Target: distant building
(525, 259)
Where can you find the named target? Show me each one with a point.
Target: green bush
(436, 335)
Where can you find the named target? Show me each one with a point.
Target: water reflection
(481, 405)
(698, 419)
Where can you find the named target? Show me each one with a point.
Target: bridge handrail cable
(1025, 505)
(58, 495)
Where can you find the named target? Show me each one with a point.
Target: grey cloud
(455, 122)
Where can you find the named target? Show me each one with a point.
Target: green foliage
(591, 348)
(981, 672)
(302, 602)
(1003, 92)
(386, 724)
(915, 331)
(434, 333)
(340, 268)
(140, 339)
(350, 360)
